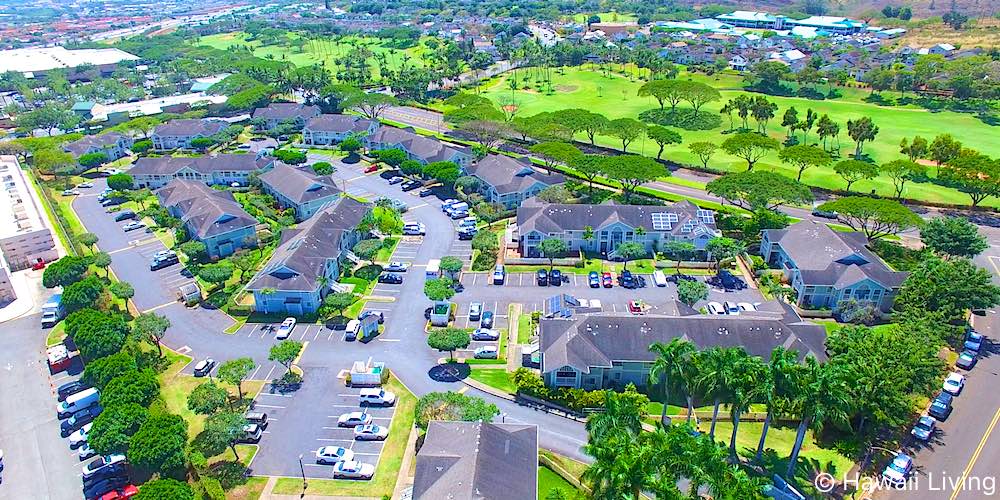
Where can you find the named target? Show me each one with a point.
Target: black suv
(543, 277)
(124, 215)
(391, 278)
(555, 277)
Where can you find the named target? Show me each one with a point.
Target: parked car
(70, 192)
(160, 262)
(966, 360)
(329, 455)
(746, 307)
(466, 234)
(79, 436)
(487, 320)
(625, 279)
(395, 179)
(973, 341)
(954, 383)
(354, 418)
(285, 329)
(99, 488)
(251, 434)
(370, 433)
(204, 367)
(257, 417)
(941, 406)
(376, 397)
(606, 280)
(499, 274)
(85, 452)
(486, 352)
(371, 168)
(397, 267)
(353, 470)
(83, 185)
(716, 308)
(79, 419)
(924, 428)
(69, 388)
(390, 278)
(116, 470)
(410, 185)
(475, 311)
(124, 215)
(635, 307)
(122, 493)
(485, 334)
(555, 277)
(731, 308)
(378, 314)
(594, 279)
(898, 470)
(132, 226)
(425, 192)
(542, 277)
(414, 229)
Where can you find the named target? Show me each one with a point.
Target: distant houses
(307, 263)
(330, 129)
(509, 181)
(830, 268)
(210, 216)
(601, 228)
(223, 169)
(285, 112)
(417, 147)
(178, 134)
(298, 189)
(112, 144)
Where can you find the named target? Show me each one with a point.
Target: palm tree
(621, 414)
(713, 380)
(776, 387)
(748, 371)
(615, 475)
(821, 397)
(669, 368)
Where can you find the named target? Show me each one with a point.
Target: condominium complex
(25, 236)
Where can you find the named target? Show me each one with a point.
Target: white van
(457, 207)
(353, 327)
(433, 268)
(77, 402)
(377, 396)
(659, 278)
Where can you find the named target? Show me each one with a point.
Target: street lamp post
(302, 469)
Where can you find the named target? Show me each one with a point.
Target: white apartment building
(25, 236)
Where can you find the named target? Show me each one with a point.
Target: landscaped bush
(683, 118)
(529, 383)
(368, 273)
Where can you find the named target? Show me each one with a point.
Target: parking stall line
(268, 377)
(318, 331)
(330, 337)
(269, 406)
(328, 440)
(255, 327)
(254, 374)
(305, 332)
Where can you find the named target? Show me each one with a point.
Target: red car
(127, 491)
(635, 307)
(606, 280)
(371, 168)
(40, 264)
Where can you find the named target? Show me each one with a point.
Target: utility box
(368, 374)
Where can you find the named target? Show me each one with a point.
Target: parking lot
(299, 423)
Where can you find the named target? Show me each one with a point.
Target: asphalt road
(37, 462)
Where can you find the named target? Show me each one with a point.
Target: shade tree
(875, 217)
(750, 147)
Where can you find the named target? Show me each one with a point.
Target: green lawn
(56, 334)
(549, 480)
(524, 328)
(388, 247)
(779, 445)
(498, 378)
(606, 17)
(615, 97)
(388, 465)
(324, 52)
(251, 490)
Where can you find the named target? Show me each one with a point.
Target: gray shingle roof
(299, 261)
(598, 339)
(511, 175)
(828, 257)
(81, 146)
(477, 461)
(190, 127)
(428, 149)
(338, 123)
(297, 184)
(169, 165)
(286, 111)
(207, 211)
(547, 218)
